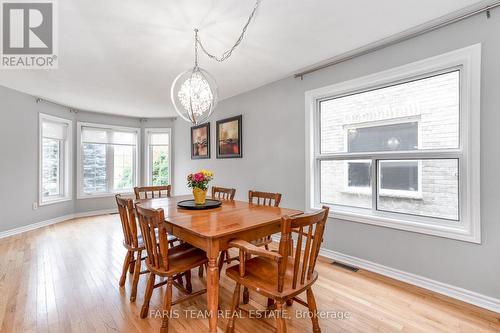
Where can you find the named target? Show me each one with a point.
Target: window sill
(351, 190)
(42, 203)
(102, 195)
(402, 194)
(457, 230)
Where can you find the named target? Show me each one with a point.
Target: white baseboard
(95, 213)
(468, 296)
(29, 227)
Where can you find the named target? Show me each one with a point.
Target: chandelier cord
(226, 54)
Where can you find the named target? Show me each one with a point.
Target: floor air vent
(344, 266)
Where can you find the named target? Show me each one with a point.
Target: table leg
(213, 289)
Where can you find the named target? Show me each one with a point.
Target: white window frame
(468, 228)
(384, 192)
(83, 195)
(65, 164)
(148, 175)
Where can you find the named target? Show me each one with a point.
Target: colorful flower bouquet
(199, 183)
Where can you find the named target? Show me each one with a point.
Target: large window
(400, 148)
(55, 157)
(107, 160)
(158, 170)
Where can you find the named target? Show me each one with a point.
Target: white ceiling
(121, 56)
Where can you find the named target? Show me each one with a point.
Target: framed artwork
(229, 137)
(200, 141)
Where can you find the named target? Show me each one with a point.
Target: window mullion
(374, 183)
(150, 165)
(62, 171)
(110, 167)
(135, 165)
(317, 183)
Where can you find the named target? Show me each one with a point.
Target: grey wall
(19, 161)
(274, 159)
(19, 158)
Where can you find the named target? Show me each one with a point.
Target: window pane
(94, 168)
(389, 118)
(403, 136)
(399, 175)
(124, 138)
(54, 130)
(160, 165)
(359, 174)
(438, 196)
(103, 135)
(346, 183)
(159, 139)
(123, 167)
(94, 135)
(51, 155)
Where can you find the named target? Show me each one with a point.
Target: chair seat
(182, 258)
(261, 275)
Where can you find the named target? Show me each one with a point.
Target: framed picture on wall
(200, 141)
(229, 137)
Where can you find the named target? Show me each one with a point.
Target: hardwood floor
(64, 278)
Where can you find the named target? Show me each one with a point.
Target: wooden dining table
(211, 230)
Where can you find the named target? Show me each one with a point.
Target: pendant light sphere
(194, 95)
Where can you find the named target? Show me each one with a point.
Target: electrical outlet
(35, 205)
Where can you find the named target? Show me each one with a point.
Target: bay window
(400, 148)
(55, 157)
(107, 160)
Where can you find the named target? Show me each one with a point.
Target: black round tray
(189, 204)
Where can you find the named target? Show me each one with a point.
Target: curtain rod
(405, 35)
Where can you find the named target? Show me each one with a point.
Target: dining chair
(266, 199)
(221, 193)
(150, 192)
(167, 262)
(259, 198)
(133, 243)
(277, 275)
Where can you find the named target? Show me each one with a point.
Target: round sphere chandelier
(194, 95)
(194, 92)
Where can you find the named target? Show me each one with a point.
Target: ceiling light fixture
(194, 92)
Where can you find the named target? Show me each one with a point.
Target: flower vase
(200, 196)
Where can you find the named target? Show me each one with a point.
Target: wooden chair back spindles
(264, 198)
(155, 237)
(150, 192)
(309, 231)
(128, 221)
(221, 193)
